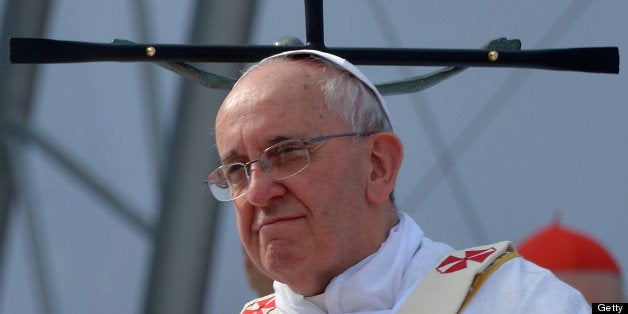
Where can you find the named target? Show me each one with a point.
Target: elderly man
(310, 162)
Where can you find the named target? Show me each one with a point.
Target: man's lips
(275, 220)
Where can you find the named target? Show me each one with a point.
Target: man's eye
(288, 154)
(235, 174)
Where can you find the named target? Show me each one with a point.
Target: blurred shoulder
(522, 286)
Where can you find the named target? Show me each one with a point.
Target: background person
(577, 259)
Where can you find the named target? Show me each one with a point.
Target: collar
(372, 286)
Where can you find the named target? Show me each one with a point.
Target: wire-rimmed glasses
(281, 161)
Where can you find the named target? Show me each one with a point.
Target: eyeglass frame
(247, 165)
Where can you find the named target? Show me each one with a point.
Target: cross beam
(588, 59)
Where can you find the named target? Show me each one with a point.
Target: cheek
(334, 197)
(333, 187)
(244, 218)
(346, 197)
(348, 182)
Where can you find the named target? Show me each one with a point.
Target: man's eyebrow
(230, 157)
(280, 138)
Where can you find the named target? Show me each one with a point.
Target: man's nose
(262, 187)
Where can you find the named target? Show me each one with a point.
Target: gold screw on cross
(150, 51)
(493, 55)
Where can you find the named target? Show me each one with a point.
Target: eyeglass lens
(280, 161)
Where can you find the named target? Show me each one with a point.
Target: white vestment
(382, 282)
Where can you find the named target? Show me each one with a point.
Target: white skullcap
(344, 64)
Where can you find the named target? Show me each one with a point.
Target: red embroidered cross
(453, 263)
(261, 307)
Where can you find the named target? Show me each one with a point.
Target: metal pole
(314, 24)
(189, 214)
(21, 18)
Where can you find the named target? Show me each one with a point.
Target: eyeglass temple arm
(327, 137)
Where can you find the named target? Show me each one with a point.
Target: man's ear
(386, 158)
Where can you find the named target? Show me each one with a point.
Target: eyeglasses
(281, 161)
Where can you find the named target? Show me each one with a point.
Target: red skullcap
(557, 248)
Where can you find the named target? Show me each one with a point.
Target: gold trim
(480, 278)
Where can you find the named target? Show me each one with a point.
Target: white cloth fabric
(382, 282)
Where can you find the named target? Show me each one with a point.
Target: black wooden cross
(593, 59)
